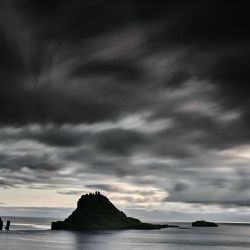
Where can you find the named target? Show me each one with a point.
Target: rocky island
(202, 223)
(96, 212)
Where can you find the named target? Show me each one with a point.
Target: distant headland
(95, 212)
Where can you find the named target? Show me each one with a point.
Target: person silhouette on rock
(7, 227)
(1, 224)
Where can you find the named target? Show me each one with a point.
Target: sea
(29, 233)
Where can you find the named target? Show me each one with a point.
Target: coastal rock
(96, 212)
(202, 223)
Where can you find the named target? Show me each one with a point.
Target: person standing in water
(7, 227)
(1, 224)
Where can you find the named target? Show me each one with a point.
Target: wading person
(1, 224)
(7, 227)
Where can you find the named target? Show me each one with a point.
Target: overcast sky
(145, 101)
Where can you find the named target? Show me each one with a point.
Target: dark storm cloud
(59, 136)
(33, 34)
(36, 162)
(64, 26)
(178, 78)
(206, 131)
(76, 20)
(230, 72)
(123, 70)
(120, 141)
(204, 24)
(10, 57)
(217, 38)
(72, 72)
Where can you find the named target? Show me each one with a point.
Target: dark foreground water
(34, 234)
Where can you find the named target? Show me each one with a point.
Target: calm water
(34, 234)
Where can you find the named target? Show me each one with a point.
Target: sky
(145, 101)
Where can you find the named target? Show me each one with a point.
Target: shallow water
(25, 235)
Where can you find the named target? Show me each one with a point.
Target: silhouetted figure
(1, 224)
(7, 227)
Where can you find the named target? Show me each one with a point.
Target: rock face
(202, 223)
(96, 212)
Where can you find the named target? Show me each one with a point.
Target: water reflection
(99, 240)
(224, 237)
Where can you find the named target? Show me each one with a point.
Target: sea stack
(202, 223)
(96, 212)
